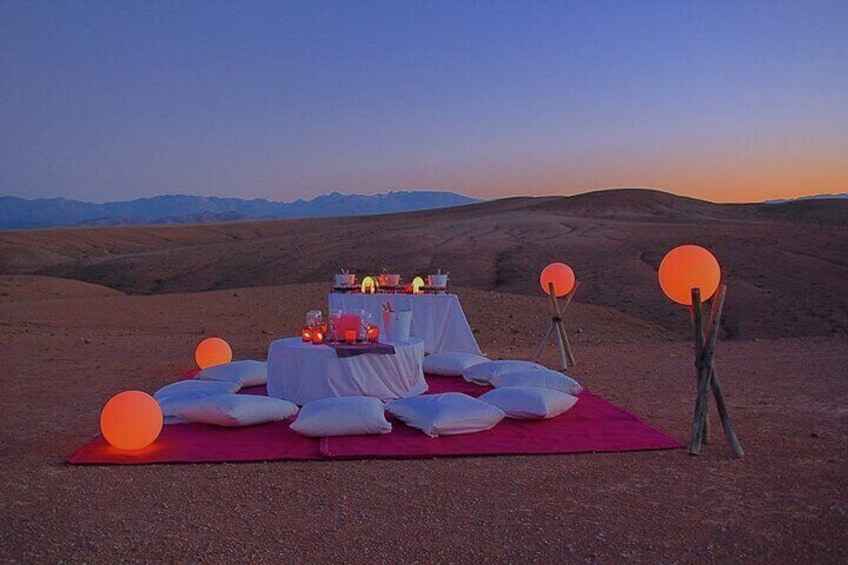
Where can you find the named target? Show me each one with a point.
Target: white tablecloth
(300, 372)
(438, 319)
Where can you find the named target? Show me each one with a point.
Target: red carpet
(593, 425)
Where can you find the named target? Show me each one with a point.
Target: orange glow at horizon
(730, 174)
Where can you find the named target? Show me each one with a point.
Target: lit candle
(317, 336)
(417, 283)
(306, 334)
(350, 335)
(373, 332)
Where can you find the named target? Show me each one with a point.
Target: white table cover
(438, 319)
(300, 372)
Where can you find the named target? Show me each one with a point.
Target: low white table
(438, 319)
(300, 372)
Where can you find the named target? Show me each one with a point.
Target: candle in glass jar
(317, 336)
(372, 332)
(306, 334)
(350, 335)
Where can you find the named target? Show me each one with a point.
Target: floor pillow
(529, 402)
(236, 410)
(448, 413)
(482, 373)
(342, 416)
(543, 379)
(451, 363)
(246, 373)
(176, 395)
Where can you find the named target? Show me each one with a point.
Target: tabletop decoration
(417, 285)
(314, 323)
(439, 280)
(212, 351)
(306, 334)
(318, 335)
(369, 285)
(558, 280)
(388, 280)
(345, 324)
(372, 333)
(350, 335)
(690, 275)
(131, 420)
(439, 319)
(344, 279)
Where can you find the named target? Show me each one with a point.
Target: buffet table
(437, 319)
(300, 372)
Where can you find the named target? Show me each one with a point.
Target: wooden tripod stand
(705, 344)
(557, 327)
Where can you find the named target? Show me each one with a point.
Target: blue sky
(729, 101)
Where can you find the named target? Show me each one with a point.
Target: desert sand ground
(68, 346)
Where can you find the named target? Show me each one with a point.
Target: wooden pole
(699, 346)
(735, 446)
(703, 378)
(705, 344)
(542, 343)
(558, 325)
(711, 331)
(730, 434)
(567, 344)
(556, 318)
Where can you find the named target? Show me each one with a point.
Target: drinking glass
(367, 318)
(336, 333)
(313, 318)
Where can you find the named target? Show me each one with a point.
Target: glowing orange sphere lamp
(687, 267)
(131, 420)
(212, 351)
(690, 275)
(557, 280)
(560, 275)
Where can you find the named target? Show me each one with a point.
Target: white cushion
(236, 410)
(342, 416)
(542, 379)
(246, 373)
(451, 364)
(529, 402)
(175, 396)
(482, 373)
(449, 413)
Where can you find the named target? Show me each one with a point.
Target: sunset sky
(722, 100)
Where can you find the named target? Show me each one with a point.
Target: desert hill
(23, 288)
(785, 264)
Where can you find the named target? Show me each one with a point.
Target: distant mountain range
(811, 197)
(21, 213)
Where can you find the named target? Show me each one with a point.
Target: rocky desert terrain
(86, 313)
